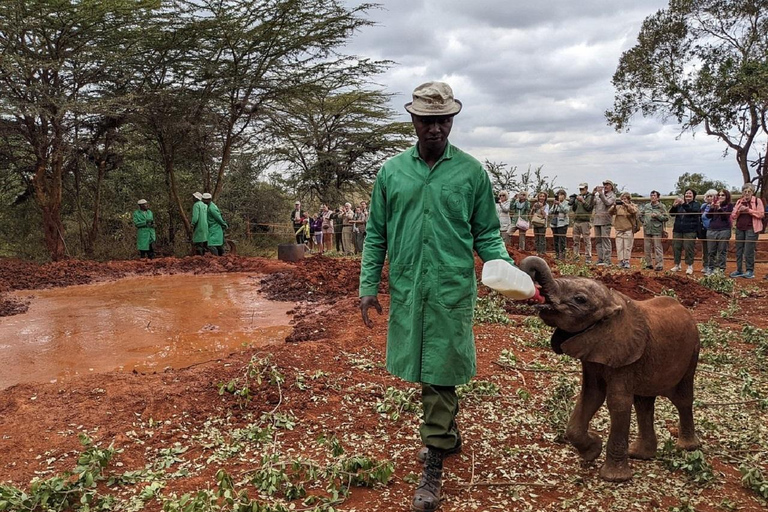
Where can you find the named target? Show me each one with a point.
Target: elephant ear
(616, 340)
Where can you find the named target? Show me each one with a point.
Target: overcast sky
(535, 80)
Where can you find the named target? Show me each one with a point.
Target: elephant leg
(644, 447)
(591, 398)
(616, 467)
(682, 398)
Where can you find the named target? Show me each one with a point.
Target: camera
(619, 202)
(572, 197)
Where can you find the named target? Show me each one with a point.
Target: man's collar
(447, 152)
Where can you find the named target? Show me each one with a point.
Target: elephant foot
(689, 444)
(642, 449)
(591, 449)
(616, 471)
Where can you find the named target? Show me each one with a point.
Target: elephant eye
(580, 299)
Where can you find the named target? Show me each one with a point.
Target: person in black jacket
(686, 211)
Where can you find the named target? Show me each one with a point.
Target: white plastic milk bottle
(508, 280)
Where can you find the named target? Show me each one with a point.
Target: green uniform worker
(200, 224)
(145, 226)
(432, 205)
(216, 227)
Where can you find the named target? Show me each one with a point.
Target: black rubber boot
(422, 455)
(427, 495)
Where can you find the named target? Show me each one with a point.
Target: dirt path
(177, 430)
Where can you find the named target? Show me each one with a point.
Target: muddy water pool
(138, 323)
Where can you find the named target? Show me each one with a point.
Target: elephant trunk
(539, 271)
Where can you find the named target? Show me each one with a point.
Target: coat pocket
(401, 284)
(454, 202)
(457, 286)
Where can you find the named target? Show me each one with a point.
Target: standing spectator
(318, 237)
(686, 211)
(519, 210)
(431, 266)
(709, 196)
(326, 227)
(311, 237)
(144, 220)
(360, 220)
(748, 214)
(297, 217)
(625, 212)
(539, 214)
(604, 199)
(502, 212)
(338, 224)
(216, 227)
(719, 232)
(200, 224)
(558, 221)
(653, 215)
(582, 205)
(347, 234)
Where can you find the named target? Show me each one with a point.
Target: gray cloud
(535, 79)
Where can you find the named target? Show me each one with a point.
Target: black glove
(365, 303)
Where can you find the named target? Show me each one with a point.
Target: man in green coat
(200, 224)
(145, 230)
(432, 205)
(216, 226)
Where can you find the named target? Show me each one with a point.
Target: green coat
(216, 226)
(427, 222)
(145, 224)
(653, 226)
(200, 222)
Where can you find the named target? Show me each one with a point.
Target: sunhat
(433, 99)
(197, 195)
(142, 201)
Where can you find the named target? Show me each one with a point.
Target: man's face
(363, 204)
(583, 190)
(144, 207)
(654, 197)
(298, 206)
(608, 187)
(432, 131)
(522, 196)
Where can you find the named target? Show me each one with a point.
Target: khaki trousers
(624, 241)
(581, 231)
(348, 240)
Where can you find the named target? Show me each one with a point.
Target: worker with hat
(582, 205)
(216, 226)
(605, 197)
(144, 221)
(297, 218)
(431, 206)
(200, 224)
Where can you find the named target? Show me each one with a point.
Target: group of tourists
(343, 228)
(207, 224)
(711, 222)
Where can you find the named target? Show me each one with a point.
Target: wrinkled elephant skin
(631, 352)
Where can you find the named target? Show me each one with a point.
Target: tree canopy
(697, 182)
(703, 64)
(102, 103)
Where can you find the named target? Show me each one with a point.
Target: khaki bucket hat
(433, 99)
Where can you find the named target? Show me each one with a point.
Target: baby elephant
(630, 352)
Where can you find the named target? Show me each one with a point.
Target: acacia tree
(57, 59)
(250, 54)
(532, 181)
(703, 63)
(333, 140)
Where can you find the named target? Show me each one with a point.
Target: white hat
(206, 195)
(197, 195)
(433, 99)
(142, 201)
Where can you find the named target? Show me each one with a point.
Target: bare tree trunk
(48, 198)
(175, 199)
(225, 156)
(93, 233)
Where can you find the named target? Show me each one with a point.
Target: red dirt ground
(35, 418)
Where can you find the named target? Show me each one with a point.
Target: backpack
(635, 223)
